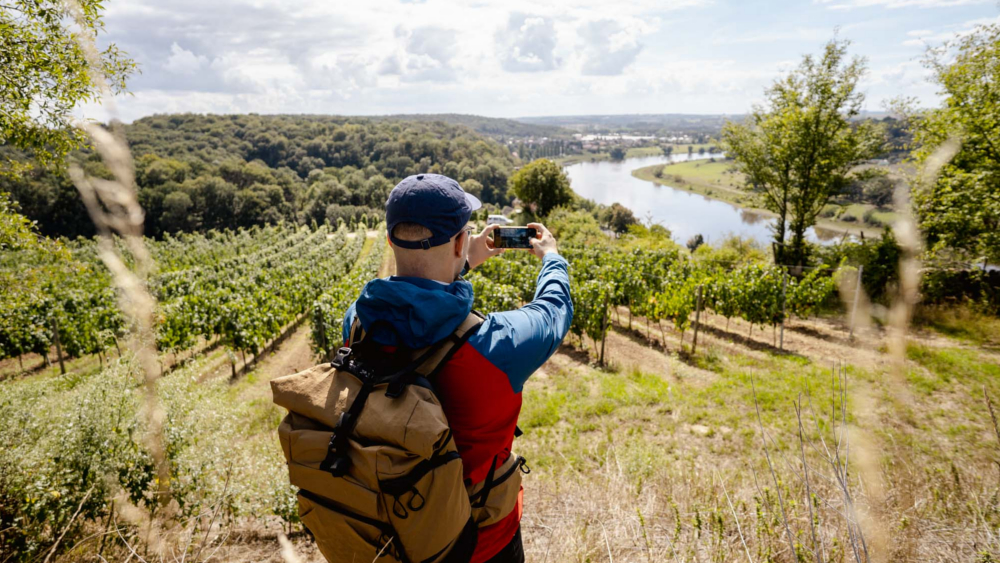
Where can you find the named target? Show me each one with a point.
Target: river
(684, 213)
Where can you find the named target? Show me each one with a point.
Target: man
(480, 386)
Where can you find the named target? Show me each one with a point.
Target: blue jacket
(425, 311)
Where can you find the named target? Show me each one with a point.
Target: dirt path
(293, 356)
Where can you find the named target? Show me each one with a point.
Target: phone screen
(513, 237)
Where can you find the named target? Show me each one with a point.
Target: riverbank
(715, 179)
(634, 152)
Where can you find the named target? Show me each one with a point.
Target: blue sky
(513, 57)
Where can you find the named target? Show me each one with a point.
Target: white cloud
(851, 4)
(527, 44)
(929, 38)
(610, 45)
(182, 61)
(493, 57)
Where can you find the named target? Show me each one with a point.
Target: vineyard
(665, 285)
(636, 434)
(238, 289)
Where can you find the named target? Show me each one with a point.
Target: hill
(199, 172)
(491, 126)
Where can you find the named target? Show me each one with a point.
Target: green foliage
(239, 287)
(47, 75)
(244, 170)
(960, 212)
(329, 308)
(543, 185)
(659, 284)
(16, 231)
(575, 227)
(618, 218)
(879, 258)
(64, 439)
(797, 150)
(617, 153)
(733, 251)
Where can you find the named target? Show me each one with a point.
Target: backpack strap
(430, 360)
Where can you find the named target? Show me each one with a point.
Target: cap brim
(473, 201)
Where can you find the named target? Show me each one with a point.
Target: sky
(511, 58)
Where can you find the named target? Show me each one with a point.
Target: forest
(203, 172)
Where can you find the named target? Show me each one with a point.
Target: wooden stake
(857, 294)
(55, 332)
(784, 287)
(604, 328)
(697, 321)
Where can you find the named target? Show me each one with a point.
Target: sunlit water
(684, 213)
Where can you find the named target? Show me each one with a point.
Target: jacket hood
(421, 311)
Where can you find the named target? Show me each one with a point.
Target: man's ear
(460, 241)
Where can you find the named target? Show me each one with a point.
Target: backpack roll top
(371, 451)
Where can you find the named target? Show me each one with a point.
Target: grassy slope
(639, 461)
(714, 180)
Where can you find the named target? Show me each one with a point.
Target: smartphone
(514, 237)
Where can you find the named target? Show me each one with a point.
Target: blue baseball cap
(433, 201)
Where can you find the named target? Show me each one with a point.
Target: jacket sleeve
(348, 321)
(519, 342)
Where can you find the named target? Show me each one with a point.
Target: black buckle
(340, 466)
(341, 357)
(395, 389)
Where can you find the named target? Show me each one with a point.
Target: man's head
(426, 217)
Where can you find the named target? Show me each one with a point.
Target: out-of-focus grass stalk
(114, 207)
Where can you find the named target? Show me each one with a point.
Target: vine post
(697, 320)
(604, 327)
(857, 294)
(784, 291)
(59, 354)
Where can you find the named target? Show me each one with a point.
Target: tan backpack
(369, 447)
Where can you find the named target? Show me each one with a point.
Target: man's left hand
(481, 246)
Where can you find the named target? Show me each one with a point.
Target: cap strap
(417, 244)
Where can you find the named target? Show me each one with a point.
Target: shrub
(848, 217)
(880, 258)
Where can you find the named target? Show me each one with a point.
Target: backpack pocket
(496, 496)
(344, 535)
(427, 504)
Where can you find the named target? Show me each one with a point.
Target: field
(656, 455)
(717, 181)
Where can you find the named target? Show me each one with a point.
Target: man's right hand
(544, 243)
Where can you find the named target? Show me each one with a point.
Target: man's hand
(481, 246)
(545, 243)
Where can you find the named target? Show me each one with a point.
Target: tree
(617, 153)
(797, 149)
(694, 242)
(16, 231)
(618, 218)
(667, 150)
(45, 75)
(542, 184)
(960, 212)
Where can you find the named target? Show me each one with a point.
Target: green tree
(618, 218)
(617, 153)
(44, 75)
(797, 149)
(960, 213)
(16, 231)
(542, 184)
